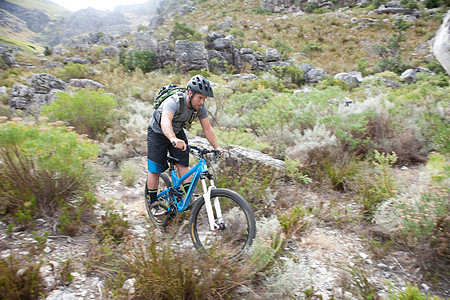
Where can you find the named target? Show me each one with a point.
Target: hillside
(334, 118)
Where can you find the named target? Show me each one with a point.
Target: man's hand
(221, 151)
(178, 143)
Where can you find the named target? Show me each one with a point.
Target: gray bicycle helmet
(199, 84)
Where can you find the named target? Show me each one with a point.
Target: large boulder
(155, 21)
(191, 55)
(42, 92)
(7, 57)
(143, 41)
(353, 78)
(311, 74)
(25, 98)
(277, 6)
(44, 83)
(441, 44)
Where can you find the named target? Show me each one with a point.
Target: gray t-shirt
(172, 104)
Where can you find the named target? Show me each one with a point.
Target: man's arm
(209, 133)
(167, 129)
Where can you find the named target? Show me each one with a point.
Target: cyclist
(165, 132)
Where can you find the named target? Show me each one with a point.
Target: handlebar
(200, 152)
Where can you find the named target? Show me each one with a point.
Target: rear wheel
(160, 204)
(234, 231)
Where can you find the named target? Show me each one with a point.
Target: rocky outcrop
(396, 7)
(191, 55)
(441, 44)
(353, 78)
(277, 6)
(42, 92)
(409, 76)
(83, 83)
(239, 154)
(155, 21)
(312, 74)
(7, 57)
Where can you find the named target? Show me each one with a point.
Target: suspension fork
(213, 225)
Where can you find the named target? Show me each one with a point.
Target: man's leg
(181, 171)
(152, 186)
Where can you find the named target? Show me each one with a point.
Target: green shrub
(294, 221)
(129, 172)
(183, 32)
(438, 168)
(283, 47)
(163, 272)
(90, 112)
(422, 213)
(411, 293)
(20, 279)
(113, 228)
(72, 70)
(40, 167)
(73, 212)
(293, 169)
(378, 185)
(433, 3)
(144, 60)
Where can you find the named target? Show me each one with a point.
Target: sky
(75, 5)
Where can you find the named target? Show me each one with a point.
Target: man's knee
(152, 180)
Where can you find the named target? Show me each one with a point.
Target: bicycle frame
(199, 172)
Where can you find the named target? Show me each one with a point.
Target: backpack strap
(180, 111)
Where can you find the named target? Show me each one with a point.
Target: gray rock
(311, 74)
(222, 44)
(213, 36)
(191, 55)
(409, 76)
(25, 98)
(110, 51)
(272, 54)
(279, 5)
(44, 83)
(143, 41)
(225, 25)
(352, 81)
(441, 43)
(7, 56)
(155, 21)
(77, 60)
(3, 91)
(85, 83)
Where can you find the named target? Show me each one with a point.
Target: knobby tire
(238, 220)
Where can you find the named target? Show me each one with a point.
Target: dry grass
(334, 31)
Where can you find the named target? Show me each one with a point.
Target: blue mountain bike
(220, 218)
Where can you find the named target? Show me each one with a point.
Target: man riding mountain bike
(165, 132)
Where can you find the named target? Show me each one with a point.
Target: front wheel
(234, 231)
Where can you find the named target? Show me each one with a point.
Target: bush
(129, 172)
(378, 185)
(183, 32)
(90, 112)
(143, 60)
(20, 279)
(113, 228)
(40, 166)
(72, 70)
(162, 272)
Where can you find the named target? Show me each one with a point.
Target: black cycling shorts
(157, 147)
